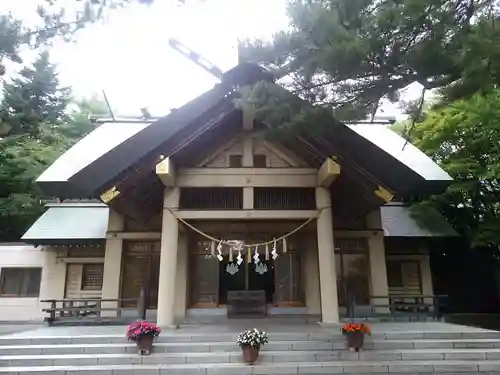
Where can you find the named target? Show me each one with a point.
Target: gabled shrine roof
(95, 145)
(125, 155)
(68, 223)
(406, 153)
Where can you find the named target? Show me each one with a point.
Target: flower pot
(144, 345)
(250, 354)
(355, 340)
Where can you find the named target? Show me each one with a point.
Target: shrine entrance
(246, 276)
(241, 269)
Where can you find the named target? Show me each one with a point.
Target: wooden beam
(80, 260)
(362, 233)
(166, 172)
(246, 214)
(248, 120)
(243, 177)
(328, 172)
(133, 235)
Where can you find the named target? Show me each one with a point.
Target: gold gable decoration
(109, 195)
(384, 194)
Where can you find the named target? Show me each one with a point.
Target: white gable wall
(277, 157)
(221, 158)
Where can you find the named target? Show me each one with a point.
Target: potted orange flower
(355, 334)
(143, 334)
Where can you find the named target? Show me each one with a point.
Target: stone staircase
(291, 350)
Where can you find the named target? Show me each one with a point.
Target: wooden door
(204, 281)
(154, 281)
(140, 269)
(288, 279)
(203, 274)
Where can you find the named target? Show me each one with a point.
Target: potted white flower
(250, 342)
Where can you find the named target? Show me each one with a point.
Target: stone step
(236, 357)
(173, 336)
(310, 368)
(205, 347)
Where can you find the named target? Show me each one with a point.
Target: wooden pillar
(326, 258)
(112, 264)
(168, 259)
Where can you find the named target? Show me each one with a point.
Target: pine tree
(346, 55)
(33, 106)
(34, 99)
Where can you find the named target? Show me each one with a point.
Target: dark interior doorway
(246, 276)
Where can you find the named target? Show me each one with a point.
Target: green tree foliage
(11, 38)
(34, 99)
(464, 138)
(348, 54)
(34, 107)
(22, 160)
(79, 124)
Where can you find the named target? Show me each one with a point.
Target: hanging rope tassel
(274, 252)
(230, 254)
(267, 251)
(284, 246)
(249, 255)
(256, 258)
(239, 258)
(219, 249)
(212, 249)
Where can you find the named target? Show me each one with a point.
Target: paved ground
(234, 326)
(13, 328)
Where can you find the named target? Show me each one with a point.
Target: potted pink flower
(143, 334)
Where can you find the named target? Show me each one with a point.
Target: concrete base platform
(270, 325)
(295, 347)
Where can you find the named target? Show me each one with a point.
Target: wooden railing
(79, 311)
(398, 307)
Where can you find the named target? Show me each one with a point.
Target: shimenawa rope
(223, 242)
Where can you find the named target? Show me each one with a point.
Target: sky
(128, 56)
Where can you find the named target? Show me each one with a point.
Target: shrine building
(201, 204)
